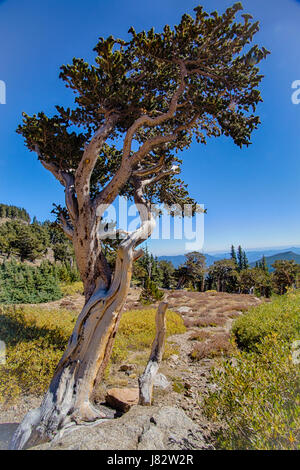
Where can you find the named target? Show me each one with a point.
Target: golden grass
(137, 330)
(36, 338)
(72, 289)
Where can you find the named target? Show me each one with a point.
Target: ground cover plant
(257, 395)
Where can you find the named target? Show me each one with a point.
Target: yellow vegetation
(72, 289)
(137, 331)
(36, 338)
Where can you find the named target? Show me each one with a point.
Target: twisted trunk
(68, 400)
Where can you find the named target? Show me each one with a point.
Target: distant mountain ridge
(177, 260)
(271, 256)
(288, 256)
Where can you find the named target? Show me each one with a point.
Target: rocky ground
(142, 428)
(210, 315)
(208, 318)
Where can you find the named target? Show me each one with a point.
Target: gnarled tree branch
(146, 120)
(89, 159)
(66, 227)
(151, 170)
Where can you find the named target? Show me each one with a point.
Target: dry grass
(219, 344)
(200, 336)
(205, 321)
(241, 307)
(68, 304)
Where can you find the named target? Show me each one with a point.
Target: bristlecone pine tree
(150, 94)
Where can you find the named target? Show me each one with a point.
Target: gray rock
(161, 381)
(7, 431)
(151, 428)
(183, 309)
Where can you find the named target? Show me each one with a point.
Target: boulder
(161, 381)
(183, 309)
(122, 399)
(142, 428)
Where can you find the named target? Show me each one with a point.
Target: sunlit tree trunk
(68, 400)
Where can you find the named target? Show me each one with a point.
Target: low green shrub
(281, 316)
(257, 399)
(150, 293)
(20, 283)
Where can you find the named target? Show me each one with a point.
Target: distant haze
(253, 256)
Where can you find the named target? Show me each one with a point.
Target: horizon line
(225, 251)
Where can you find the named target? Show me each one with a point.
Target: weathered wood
(147, 378)
(68, 400)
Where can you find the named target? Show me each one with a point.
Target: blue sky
(252, 195)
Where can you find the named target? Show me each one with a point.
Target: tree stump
(147, 378)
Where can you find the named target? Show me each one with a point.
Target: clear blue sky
(252, 195)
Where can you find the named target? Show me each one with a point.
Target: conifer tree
(233, 255)
(144, 100)
(20, 283)
(166, 269)
(245, 261)
(240, 258)
(264, 264)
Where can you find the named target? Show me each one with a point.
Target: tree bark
(68, 400)
(147, 378)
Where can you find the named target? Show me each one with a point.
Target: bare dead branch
(173, 171)
(67, 180)
(54, 170)
(147, 378)
(103, 235)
